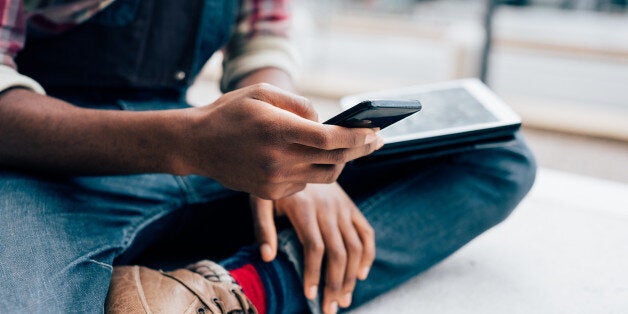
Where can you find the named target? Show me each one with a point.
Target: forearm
(44, 133)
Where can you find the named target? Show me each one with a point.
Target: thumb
(265, 230)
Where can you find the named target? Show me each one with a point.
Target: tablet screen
(442, 109)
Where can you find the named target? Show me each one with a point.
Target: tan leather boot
(204, 287)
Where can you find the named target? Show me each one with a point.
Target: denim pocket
(119, 13)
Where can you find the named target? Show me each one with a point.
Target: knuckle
(260, 88)
(310, 112)
(370, 148)
(353, 137)
(312, 274)
(324, 140)
(338, 156)
(315, 247)
(334, 285)
(272, 169)
(355, 248)
(306, 203)
(338, 255)
(348, 285)
(357, 139)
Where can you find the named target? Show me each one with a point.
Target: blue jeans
(61, 235)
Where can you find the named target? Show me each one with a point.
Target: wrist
(179, 129)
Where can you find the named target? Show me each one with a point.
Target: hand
(328, 224)
(266, 141)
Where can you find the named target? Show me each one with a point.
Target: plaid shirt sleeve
(12, 34)
(260, 40)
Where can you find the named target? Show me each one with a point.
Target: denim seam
(83, 258)
(104, 265)
(186, 190)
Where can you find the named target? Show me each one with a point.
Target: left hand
(329, 224)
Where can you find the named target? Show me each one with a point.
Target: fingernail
(364, 273)
(346, 299)
(370, 138)
(266, 251)
(380, 142)
(333, 308)
(311, 293)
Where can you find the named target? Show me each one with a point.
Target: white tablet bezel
(505, 116)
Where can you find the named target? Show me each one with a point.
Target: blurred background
(561, 64)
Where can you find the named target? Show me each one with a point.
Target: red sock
(251, 283)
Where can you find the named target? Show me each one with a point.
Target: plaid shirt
(260, 39)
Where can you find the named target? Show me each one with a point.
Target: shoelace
(216, 273)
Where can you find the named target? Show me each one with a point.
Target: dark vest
(133, 44)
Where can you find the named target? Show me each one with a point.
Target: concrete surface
(564, 250)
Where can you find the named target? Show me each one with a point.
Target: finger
(283, 99)
(336, 257)
(367, 236)
(300, 130)
(354, 247)
(307, 229)
(265, 230)
(329, 137)
(338, 156)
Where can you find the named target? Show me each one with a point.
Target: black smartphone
(375, 113)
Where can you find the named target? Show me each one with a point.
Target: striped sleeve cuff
(10, 78)
(260, 52)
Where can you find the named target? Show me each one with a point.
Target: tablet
(456, 115)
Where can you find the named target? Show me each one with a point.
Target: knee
(503, 176)
(516, 166)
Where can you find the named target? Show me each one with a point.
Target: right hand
(330, 227)
(267, 142)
